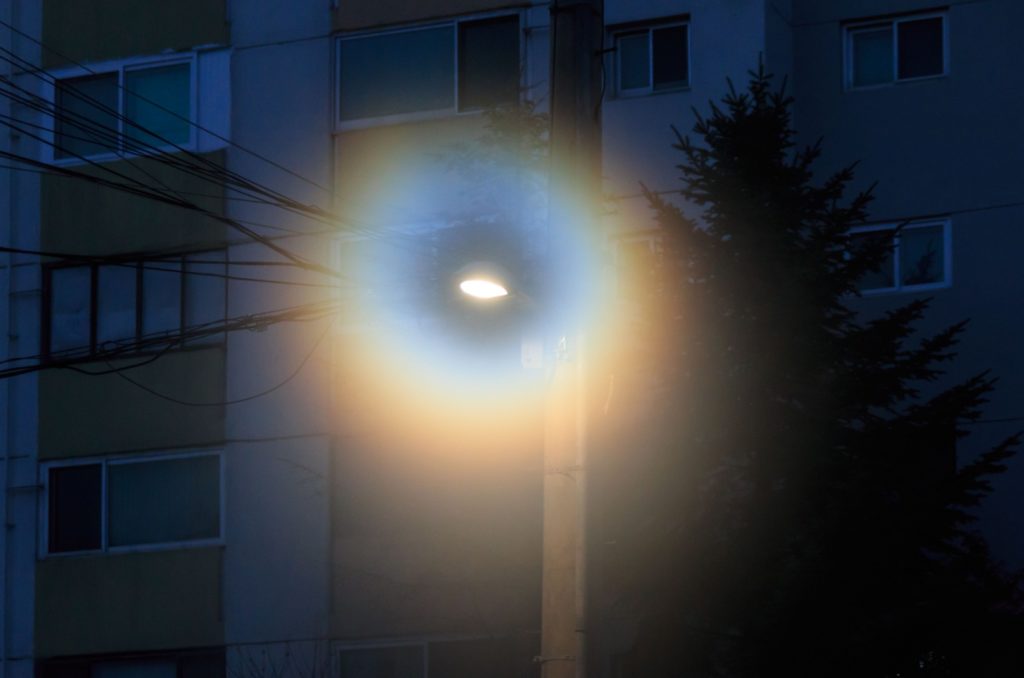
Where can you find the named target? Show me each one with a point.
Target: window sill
(895, 83)
(404, 119)
(141, 548)
(643, 94)
(906, 289)
(115, 156)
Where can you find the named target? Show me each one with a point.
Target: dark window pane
(403, 661)
(920, 47)
(70, 308)
(74, 508)
(872, 56)
(156, 502)
(115, 304)
(205, 288)
(884, 277)
(396, 73)
(670, 59)
(634, 61)
(86, 116)
(922, 255)
(159, 100)
(161, 297)
(488, 62)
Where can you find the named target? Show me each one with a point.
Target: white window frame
(120, 67)
(433, 114)
(947, 255)
(875, 24)
(104, 463)
(649, 28)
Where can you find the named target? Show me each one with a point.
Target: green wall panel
(94, 30)
(358, 14)
(81, 415)
(127, 602)
(83, 218)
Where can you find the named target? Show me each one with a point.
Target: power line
(236, 401)
(72, 357)
(145, 192)
(79, 64)
(133, 262)
(116, 139)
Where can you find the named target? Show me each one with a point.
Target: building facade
(260, 444)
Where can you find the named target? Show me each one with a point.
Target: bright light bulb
(482, 289)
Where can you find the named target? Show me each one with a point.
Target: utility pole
(577, 40)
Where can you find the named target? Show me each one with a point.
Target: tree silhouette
(793, 504)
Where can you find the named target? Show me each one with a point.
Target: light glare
(482, 289)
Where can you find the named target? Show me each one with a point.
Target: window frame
(648, 28)
(120, 67)
(861, 26)
(105, 462)
(432, 114)
(92, 349)
(898, 287)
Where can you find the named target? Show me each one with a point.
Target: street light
(563, 578)
(481, 288)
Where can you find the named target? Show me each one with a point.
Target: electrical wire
(139, 263)
(236, 401)
(117, 140)
(72, 357)
(205, 130)
(202, 161)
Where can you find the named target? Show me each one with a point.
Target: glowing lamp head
(480, 288)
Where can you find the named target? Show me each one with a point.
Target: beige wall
(82, 415)
(82, 218)
(94, 30)
(128, 602)
(359, 14)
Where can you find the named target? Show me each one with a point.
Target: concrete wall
(726, 39)
(941, 146)
(277, 454)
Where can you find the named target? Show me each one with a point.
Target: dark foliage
(794, 505)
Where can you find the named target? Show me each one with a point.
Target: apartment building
(323, 484)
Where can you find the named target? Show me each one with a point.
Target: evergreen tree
(800, 510)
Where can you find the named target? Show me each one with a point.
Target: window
(907, 48)
(94, 308)
(130, 110)
(918, 257)
(653, 59)
(462, 65)
(121, 503)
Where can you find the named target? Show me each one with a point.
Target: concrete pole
(577, 29)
